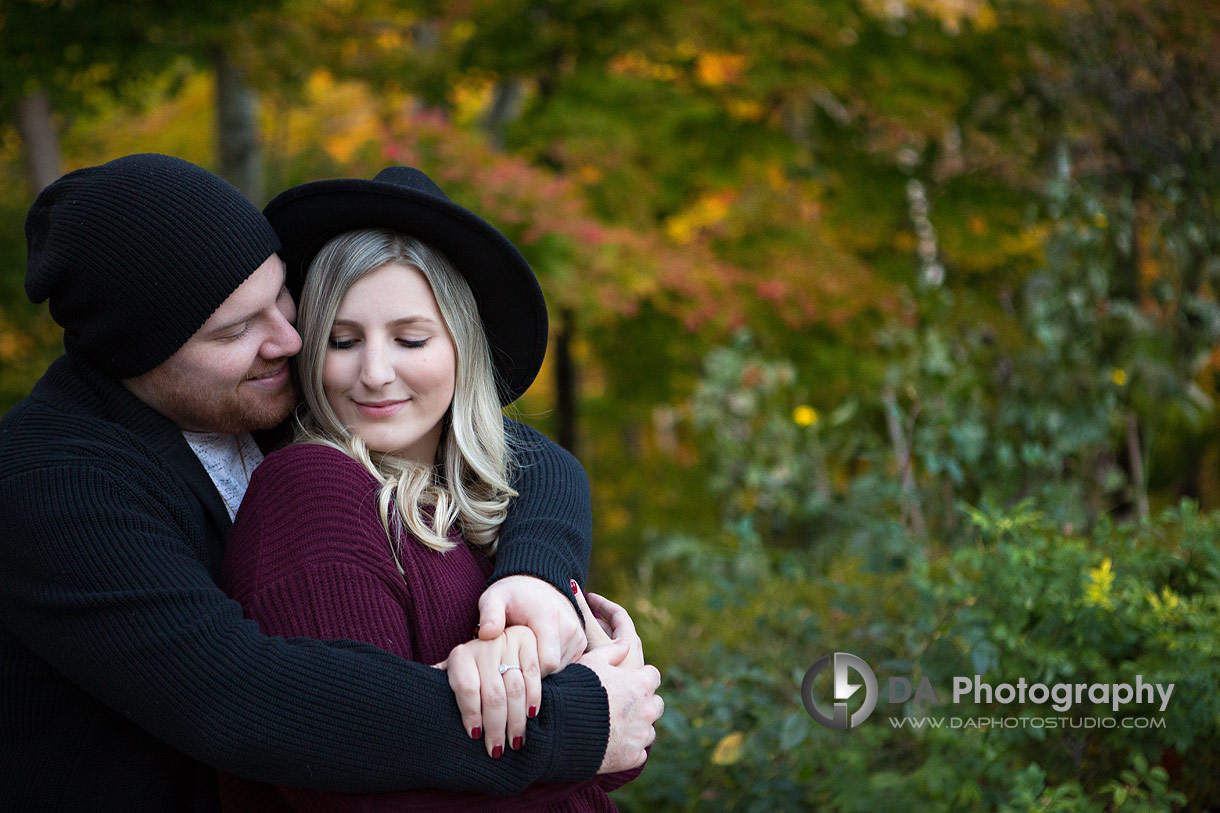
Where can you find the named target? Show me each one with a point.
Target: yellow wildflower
(1118, 376)
(804, 415)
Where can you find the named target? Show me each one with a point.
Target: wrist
(580, 714)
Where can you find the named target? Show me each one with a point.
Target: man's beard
(241, 409)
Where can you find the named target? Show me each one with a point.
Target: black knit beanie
(137, 253)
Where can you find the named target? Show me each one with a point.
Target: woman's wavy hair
(467, 488)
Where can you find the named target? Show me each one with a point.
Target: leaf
(728, 750)
(794, 731)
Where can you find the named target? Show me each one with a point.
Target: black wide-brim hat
(406, 200)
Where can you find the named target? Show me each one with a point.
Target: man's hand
(538, 605)
(617, 656)
(634, 704)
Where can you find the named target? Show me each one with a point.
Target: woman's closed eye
(412, 343)
(335, 343)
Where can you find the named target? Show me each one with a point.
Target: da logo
(841, 662)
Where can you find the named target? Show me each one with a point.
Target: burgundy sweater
(307, 556)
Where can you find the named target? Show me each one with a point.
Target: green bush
(1020, 599)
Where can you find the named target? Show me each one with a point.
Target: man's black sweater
(128, 677)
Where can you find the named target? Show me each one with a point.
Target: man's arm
(98, 578)
(549, 530)
(544, 546)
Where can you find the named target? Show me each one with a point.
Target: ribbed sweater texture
(127, 675)
(308, 556)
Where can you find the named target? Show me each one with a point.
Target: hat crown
(410, 179)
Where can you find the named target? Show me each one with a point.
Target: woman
(379, 524)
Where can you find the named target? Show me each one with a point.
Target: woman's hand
(608, 623)
(497, 685)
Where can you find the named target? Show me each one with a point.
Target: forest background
(881, 326)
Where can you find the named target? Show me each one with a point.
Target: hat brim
(509, 298)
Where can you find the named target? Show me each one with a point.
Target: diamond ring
(504, 667)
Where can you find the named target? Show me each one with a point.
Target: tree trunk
(1135, 457)
(237, 132)
(912, 509)
(565, 381)
(505, 106)
(39, 140)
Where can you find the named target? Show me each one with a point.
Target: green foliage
(1023, 599)
(70, 49)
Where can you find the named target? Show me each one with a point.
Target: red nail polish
(497, 752)
(533, 712)
(517, 743)
(575, 587)
(476, 733)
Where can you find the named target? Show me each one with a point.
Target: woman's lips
(379, 409)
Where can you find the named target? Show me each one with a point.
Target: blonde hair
(468, 486)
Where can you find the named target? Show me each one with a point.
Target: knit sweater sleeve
(99, 577)
(549, 529)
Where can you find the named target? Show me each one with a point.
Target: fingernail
(476, 733)
(517, 743)
(497, 752)
(575, 587)
(533, 712)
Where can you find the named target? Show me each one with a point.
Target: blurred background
(881, 326)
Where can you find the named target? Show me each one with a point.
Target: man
(128, 676)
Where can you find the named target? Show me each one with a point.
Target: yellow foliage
(707, 211)
(728, 750)
(460, 32)
(776, 179)
(390, 40)
(1165, 603)
(634, 63)
(471, 94)
(341, 116)
(716, 68)
(14, 345)
(685, 49)
(319, 84)
(745, 109)
(1097, 590)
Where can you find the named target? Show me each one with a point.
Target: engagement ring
(504, 667)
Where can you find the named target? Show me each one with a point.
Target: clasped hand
(497, 678)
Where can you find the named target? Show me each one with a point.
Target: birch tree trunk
(38, 140)
(237, 133)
